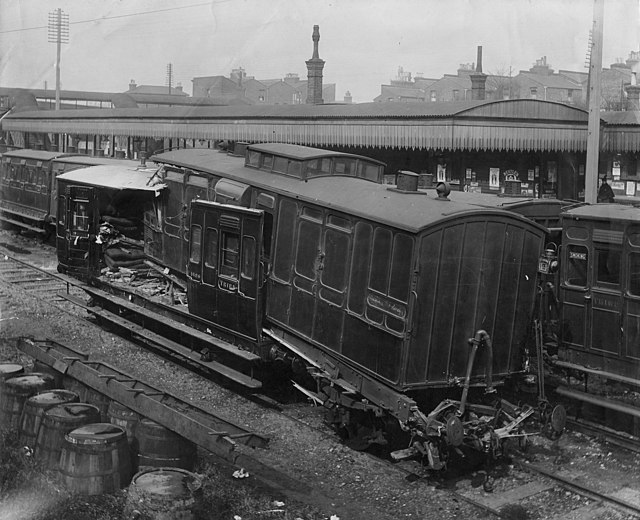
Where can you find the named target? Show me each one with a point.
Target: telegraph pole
(58, 34)
(169, 76)
(595, 87)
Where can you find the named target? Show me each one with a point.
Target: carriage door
(75, 232)
(605, 322)
(631, 314)
(225, 274)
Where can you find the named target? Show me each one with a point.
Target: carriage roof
(606, 212)
(36, 155)
(411, 211)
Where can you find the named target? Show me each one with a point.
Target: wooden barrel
(43, 368)
(100, 400)
(89, 395)
(56, 423)
(34, 409)
(164, 494)
(70, 383)
(160, 447)
(95, 459)
(16, 391)
(122, 416)
(7, 371)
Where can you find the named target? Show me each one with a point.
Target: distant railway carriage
(28, 197)
(599, 289)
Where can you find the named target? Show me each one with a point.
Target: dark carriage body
(357, 274)
(599, 288)
(27, 188)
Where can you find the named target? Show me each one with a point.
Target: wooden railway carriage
(386, 294)
(600, 289)
(391, 283)
(27, 188)
(28, 196)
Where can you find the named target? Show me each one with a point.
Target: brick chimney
(314, 72)
(478, 79)
(633, 94)
(132, 84)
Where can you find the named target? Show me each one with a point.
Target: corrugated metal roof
(116, 177)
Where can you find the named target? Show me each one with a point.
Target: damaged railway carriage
(389, 296)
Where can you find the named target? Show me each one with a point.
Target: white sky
(363, 42)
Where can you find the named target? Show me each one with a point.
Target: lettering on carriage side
(227, 285)
(575, 255)
(605, 303)
(386, 305)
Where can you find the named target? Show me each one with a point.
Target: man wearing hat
(605, 193)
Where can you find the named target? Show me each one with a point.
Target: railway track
(43, 282)
(520, 488)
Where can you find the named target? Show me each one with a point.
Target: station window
(229, 254)
(211, 248)
(576, 270)
(607, 264)
(196, 244)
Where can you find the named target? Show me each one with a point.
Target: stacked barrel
(95, 444)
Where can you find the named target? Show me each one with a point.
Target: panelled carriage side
(378, 289)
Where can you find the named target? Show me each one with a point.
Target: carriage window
(336, 249)
(344, 167)
(267, 162)
(307, 254)
(253, 158)
(284, 243)
(576, 271)
(295, 168)
(368, 171)
(359, 267)
(379, 280)
(211, 248)
(280, 164)
(607, 264)
(81, 217)
(312, 213)
(401, 268)
(317, 167)
(196, 243)
(634, 274)
(248, 257)
(229, 254)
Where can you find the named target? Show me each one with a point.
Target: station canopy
(511, 125)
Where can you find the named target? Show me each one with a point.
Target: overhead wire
(120, 16)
